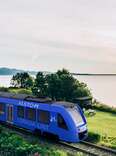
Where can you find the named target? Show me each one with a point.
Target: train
(64, 120)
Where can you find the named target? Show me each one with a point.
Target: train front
(80, 122)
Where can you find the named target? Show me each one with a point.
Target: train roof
(24, 97)
(65, 104)
(27, 97)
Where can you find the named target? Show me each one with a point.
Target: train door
(62, 128)
(9, 113)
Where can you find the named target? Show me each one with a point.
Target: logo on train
(29, 104)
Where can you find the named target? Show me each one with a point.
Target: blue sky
(79, 35)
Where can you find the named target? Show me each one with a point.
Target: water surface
(103, 88)
(5, 80)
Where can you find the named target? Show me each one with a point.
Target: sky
(47, 35)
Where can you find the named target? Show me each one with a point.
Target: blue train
(62, 119)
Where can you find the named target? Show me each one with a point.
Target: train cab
(72, 122)
(80, 122)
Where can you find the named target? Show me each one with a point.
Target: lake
(103, 88)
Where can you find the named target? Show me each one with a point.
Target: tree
(53, 86)
(82, 90)
(22, 80)
(40, 86)
(59, 86)
(63, 72)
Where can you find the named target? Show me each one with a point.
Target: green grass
(20, 91)
(104, 124)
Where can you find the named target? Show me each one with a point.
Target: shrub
(103, 107)
(1, 128)
(93, 137)
(4, 89)
(12, 144)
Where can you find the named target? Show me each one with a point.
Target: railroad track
(105, 150)
(91, 149)
(86, 148)
(77, 148)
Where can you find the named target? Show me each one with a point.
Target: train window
(2, 109)
(31, 114)
(61, 122)
(20, 111)
(76, 116)
(43, 117)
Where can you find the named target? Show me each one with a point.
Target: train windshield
(76, 115)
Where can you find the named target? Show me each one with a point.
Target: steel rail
(79, 149)
(103, 148)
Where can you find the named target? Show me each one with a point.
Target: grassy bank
(103, 124)
(16, 90)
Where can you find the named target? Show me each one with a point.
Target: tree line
(58, 86)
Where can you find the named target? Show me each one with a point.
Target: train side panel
(24, 122)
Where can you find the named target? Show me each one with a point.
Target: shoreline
(108, 105)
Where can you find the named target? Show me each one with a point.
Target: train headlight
(82, 128)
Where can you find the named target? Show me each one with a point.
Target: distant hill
(9, 71)
(13, 71)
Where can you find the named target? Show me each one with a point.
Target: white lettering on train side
(28, 104)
